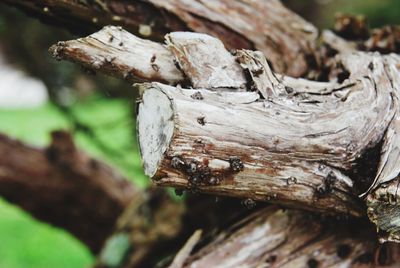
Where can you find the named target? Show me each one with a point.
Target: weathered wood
(384, 40)
(273, 237)
(205, 61)
(352, 33)
(184, 253)
(383, 196)
(314, 145)
(239, 150)
(297, 147)
(338, 124)
(267, 26)
(354, 144)
(356, 32)
(117, 52)
(64, 187)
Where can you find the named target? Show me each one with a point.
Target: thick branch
(300, 143)
(224, 149)
(336, 126)
(298, 147)
(117, 52)
(64, 187)
(267, 26)
(274, 237)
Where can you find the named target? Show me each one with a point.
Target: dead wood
(241, 128)
(238, 24)
(327, 137)
(273, 237)
(64, 187)
(315, 145)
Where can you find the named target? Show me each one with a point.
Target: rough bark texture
(225, 149)
(274, 237)
(303, 143)
(262, 25)
(117, 52)
(244, 130)
(329, 134)
(354, 118)
(64, 187)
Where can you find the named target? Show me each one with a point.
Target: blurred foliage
(112, 137)
(102, 124)
(322, 12)
(26, 242)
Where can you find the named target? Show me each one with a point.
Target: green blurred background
(106, 108)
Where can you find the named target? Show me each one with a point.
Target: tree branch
(273, 237)
(117, 52)
(336, 127)
(238, 24)
(335, 139)
(64, 187)
(315, 145)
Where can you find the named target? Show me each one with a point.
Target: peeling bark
(64, 187)
(298, 123)
(250, 24)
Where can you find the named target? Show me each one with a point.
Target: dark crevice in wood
(365, 169)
